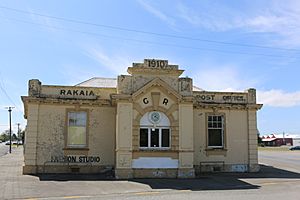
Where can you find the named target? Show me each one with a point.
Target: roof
(195, 88)
(99, 82)
(268, 139)
(109, 83)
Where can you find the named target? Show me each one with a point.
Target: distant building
(150, 123)
(296, 141)
(273, 140)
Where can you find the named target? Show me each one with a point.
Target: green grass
(281, 148)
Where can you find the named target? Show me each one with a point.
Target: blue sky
(222, 45)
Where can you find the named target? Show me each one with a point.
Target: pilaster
(186, 147)
(30, 154)
(124, 140)
(252, 143)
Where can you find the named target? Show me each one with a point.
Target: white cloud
(228, 78)
(157, 13)
(204, 17)
(278, 17)
(278, 98)
(73, 77)
(114, 63)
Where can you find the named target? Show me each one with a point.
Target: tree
(14, 137)
(22, 136)
(4, 135)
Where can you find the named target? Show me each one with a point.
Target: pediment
(161, 85)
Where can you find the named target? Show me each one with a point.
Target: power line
(5, 93)
(145, 32)
(152, 43)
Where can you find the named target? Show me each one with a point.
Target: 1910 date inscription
(152, 63)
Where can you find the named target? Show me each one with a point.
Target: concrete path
(3, 149)
(14, 185)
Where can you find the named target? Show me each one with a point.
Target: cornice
(65, 101)
(169, 72)
(228, 106)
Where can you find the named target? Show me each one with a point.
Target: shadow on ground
(210, 181)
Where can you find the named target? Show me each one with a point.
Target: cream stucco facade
(151, 123)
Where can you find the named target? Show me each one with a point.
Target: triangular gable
(157, 82)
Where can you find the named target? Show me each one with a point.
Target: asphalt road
(288, 160)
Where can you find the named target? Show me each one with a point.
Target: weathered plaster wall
(52, 130)
(236, 138)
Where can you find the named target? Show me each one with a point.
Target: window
(215, 130)
(155, 131)
(143, 137)
(154, 138)
(76, 136)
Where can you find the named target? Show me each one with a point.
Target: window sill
(76, 151)
(76, 148)
(216, 151)
(155, 149)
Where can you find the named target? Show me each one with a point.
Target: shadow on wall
(209, 181)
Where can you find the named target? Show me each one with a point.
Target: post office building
(150, 123)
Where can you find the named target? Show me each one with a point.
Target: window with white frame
(155, 130)
(76, 136)
(215, 131)
(154, 137)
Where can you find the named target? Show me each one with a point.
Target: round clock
(154, 117)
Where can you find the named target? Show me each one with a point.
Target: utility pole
(18, 139)
(9, 111)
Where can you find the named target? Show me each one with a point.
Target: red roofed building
(273, 140)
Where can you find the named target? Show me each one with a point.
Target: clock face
(154, 117)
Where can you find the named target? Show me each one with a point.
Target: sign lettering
(165, 101)
(219, 98)
(145, 100)
(233, 98)
(210, 97)
(75, 159)
(77, 92)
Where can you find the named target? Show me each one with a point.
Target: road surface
(3, 149)
(287, 160)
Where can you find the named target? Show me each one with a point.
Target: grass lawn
(281, 148)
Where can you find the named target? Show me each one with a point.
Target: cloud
(277, 17)
(278, 98)
(204, 18)
(157, 13)
(228, 78)
(73, 75)
(116, 63)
